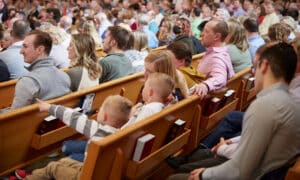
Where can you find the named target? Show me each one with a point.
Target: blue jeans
(75, 149)
(229, 127)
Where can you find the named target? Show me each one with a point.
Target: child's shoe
(21, 174)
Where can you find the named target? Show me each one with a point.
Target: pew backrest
(196, 59)
(111, 157)
(7, 91)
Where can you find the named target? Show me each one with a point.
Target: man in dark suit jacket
(4, 73)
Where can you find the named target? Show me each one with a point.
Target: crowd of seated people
(49, 47)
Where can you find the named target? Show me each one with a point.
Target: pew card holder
(208, 122)
(136, 170)
(40, 141)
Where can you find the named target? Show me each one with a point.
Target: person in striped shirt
(113, 114)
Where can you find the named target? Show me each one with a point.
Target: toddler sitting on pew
(156, 92)
(113, 114)
(156, 95)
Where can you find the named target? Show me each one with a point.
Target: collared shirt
(216, 65)
(295, 88)
(14, 60)
(254, 43)
(114, 66)
(238, 12)
(269, 139)
(269, 20)
(152, 39)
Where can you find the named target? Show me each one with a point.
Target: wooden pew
(100, 52)
(110, 158)
(294, 172)
(196, 59)
(7, 91)
(237, 82)
(207, 123)
(20, 145)
(160, 48)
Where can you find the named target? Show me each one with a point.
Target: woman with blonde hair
(89, 27)
(165, 34)
(162, 61)
(137, 50)
(61, 40)
(238, 46)
(85, 70)
(279, 32)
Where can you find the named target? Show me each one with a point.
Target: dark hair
(197, 11)
(42, 39)
(222, 28)
(181, 51)
(282, 59)
(294, 13)
(20, 29)
(121, 36)
(251, 25)
(201, 25)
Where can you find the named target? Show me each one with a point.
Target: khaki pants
(64, 169)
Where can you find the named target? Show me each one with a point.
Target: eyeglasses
(254, 67)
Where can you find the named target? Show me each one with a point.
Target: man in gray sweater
(44, 80)
(270, 134)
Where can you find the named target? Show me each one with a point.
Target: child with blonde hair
(156, 92)
(113, 114)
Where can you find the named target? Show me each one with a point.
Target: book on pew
(175, 130)
(227, 98)
(143, 147)
(250, 83)
(51, 123)
(213, 106)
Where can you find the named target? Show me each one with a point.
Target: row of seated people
(203, 89)
(278, 85)
(166, 59)
(113, 66)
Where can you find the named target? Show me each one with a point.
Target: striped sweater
(93, 129)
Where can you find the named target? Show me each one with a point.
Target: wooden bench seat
(110, 158)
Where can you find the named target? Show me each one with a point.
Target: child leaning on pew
(156, 95)
(113, 114)
(158, 87)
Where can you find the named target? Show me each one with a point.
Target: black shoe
(175, 162)
(202, 146)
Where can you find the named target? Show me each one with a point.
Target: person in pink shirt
(216, 63)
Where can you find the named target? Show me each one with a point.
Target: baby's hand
(134, 108)
(43, 106)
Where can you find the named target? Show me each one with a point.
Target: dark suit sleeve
(4, 73)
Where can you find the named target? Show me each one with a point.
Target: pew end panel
(18, 128)
(7, 91)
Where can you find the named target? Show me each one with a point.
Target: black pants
(200, 158)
